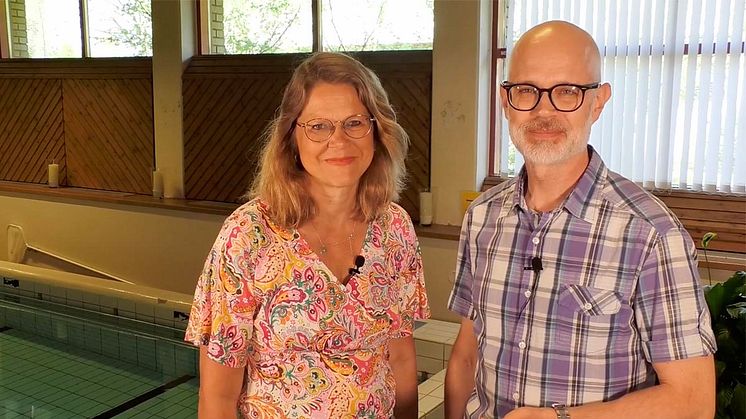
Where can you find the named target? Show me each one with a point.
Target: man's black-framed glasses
(565, 97)
(321, 129)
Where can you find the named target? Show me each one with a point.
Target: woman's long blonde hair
(280, 179)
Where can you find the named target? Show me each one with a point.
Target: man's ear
(504, 101)
(603, 94)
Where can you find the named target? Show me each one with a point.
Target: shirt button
(522, 345)
(516, 396)
(527, 294)
(587, 306)
(535, 240)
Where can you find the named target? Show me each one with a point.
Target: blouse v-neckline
(317, 258)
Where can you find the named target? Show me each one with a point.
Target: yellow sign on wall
(466, 199)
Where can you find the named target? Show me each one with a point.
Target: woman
(308, 298)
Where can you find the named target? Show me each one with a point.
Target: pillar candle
(53, 171)
(426, 208)
(157, 184)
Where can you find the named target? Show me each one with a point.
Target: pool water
(58, 361)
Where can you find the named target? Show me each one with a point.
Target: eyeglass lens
(355, 126)
(563, 97)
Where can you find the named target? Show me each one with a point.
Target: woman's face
(340, 161)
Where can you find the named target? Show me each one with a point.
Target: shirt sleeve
(670, 308)
(224, 301)
(460, 300)
(413, 302)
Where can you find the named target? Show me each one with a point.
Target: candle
(426, 208)
(157, 184)
(53, 172)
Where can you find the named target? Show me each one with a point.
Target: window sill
(42, 191)
(439, 231)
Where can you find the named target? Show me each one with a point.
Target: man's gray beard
(546, 152)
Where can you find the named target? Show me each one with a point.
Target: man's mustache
(543, 125)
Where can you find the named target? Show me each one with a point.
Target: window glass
(53, 28)
(120, 28)
(261, 26)
(374, 25)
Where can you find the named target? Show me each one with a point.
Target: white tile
(438, 391)
(429, 403)
(447, 351)
(430, 365)
(428, 349)
(440, 376)
(437, 413)
(426, 387)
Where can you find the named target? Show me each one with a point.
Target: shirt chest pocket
(591, 320)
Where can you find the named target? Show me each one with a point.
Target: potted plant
(727, 304)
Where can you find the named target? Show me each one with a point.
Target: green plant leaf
(720, 366)
(738, 402)
(715, 297)
(707, 238)
(736, 310)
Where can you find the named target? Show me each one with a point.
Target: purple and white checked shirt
(619, 290)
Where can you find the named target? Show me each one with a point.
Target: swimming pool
(69, 353)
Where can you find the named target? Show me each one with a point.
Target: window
(285, 26)
(55, 28)
(677, 72)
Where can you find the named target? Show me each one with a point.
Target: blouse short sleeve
(224, 301)
(407, 260)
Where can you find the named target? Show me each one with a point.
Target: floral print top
(312, 347)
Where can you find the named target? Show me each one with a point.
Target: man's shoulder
(498, 193)
(626, 195)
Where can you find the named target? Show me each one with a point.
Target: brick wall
(19, 35)
(217, 42)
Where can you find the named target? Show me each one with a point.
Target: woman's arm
(219, 388)
(403, 363)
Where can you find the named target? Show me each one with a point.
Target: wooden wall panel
(109, 134)
(31, 131)
(229, 100)
(92, 116)
(721, 214)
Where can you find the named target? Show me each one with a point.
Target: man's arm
(460, 373)
(403, 363)
(686, 391)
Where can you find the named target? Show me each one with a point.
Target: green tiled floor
(40, 380)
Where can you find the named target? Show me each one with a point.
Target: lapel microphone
(359, 262)
(535, 265)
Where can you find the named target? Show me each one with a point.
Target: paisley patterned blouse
(312, 347)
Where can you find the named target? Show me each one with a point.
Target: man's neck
(547, 186)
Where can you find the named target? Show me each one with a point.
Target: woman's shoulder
(396, 220)
(250, 212)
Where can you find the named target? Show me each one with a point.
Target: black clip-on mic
(535, 265)
(359, 262)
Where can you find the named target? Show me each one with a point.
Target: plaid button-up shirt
(618, 290)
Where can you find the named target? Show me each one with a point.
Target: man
(577, 288)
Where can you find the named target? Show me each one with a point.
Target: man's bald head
(557, 40)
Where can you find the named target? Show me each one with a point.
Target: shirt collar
(582, 202)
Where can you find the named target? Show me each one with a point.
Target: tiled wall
(433, 343)
(142, 334)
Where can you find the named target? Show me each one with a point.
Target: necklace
(325, 246)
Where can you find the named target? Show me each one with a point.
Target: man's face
(545, 135)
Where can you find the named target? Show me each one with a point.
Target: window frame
(204, 39)
(496, 119)
(85, 41)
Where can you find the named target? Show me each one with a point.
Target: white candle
(426, 208)
(53, 172)
(157, 184)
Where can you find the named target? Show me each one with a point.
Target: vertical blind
(677, 117)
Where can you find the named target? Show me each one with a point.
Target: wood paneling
(721, 214)
(92, 116)
(700, 213)
(109, 134)
(31, 131)
(229, 100)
